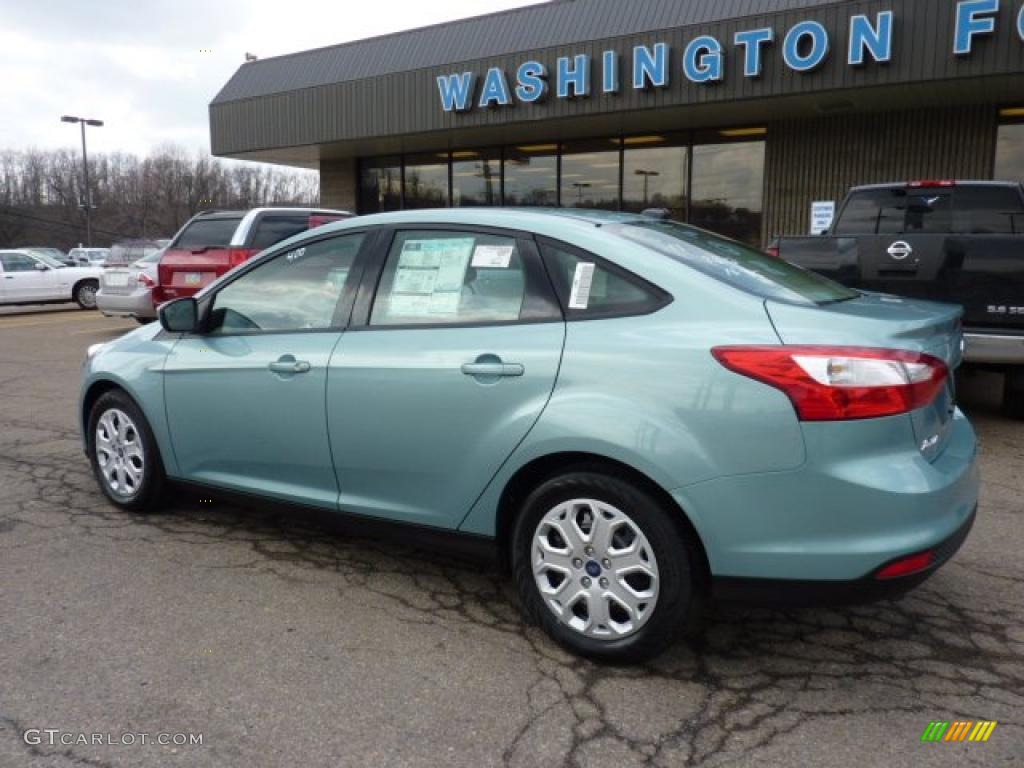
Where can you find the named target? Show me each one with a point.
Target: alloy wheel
(120, 453)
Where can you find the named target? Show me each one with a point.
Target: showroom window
(727, 183)
(1010, 146)
(476, 178)
(426, 181)
(531, 175)
(654, 174)
(590, 174)
(380, 185)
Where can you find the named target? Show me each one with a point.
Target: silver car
(128, 291)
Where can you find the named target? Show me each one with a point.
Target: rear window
(733, 263)
(988, 211)
(274, 229)
(208, 232)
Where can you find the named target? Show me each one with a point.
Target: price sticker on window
(494, 256)
(582, 281)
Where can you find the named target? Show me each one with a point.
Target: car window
(274, 229)
(588, 288)
(733, 263)
(208, 232)
(17, 262)
(450, 278)
(987, 210)
(872, 211)
(929, 211)
(295, 291)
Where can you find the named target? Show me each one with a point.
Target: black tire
(1013, 393)
(679, 592)
(85, 294)
(144, 320)
(147, 494)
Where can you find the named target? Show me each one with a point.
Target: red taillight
(907, 566)
(146, 280)
(931, 183)
(841, 383)
(772, 250)
(238, 256)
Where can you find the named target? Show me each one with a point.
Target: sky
(149, 69)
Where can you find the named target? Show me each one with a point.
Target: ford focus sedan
(636, 414)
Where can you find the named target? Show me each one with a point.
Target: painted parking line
(63, 319)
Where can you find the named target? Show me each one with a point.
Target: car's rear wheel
(85, 294)
(602, 567)
(1013, 393)
(124, 454)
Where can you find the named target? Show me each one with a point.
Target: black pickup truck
(955, 241)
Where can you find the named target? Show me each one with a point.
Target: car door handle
(493, 369)
(285, 365)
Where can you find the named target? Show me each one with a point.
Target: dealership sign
(804, 47)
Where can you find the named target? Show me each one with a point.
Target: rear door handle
(288, 364)
(493, 369)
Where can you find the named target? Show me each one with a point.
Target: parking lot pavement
(284, 642)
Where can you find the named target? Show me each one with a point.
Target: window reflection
(590, 175)
(1010, 152)
(380, 185)
(727, 189)
(476, 178)
(426, 181)
(531, 175)
(654, 175)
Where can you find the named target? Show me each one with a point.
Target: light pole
(580, 186)
(647, 175)
(87, 193)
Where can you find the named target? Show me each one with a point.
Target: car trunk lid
(882, 321)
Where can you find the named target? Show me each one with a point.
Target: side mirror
(180, 315)
(41, 267)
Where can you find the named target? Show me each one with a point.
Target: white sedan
(30, 277)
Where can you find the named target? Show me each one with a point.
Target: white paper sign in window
(429, 277)
(494, 256)
(582, 281)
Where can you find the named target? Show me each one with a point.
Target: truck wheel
(601, 566)
(85, 294)
(1013, 393)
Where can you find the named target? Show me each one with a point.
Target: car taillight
(931, 183)
(772, 250)
(906, 566)
(238, 256)
(146, 280)
(841, 383)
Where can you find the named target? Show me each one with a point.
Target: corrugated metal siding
(407, 103)
(562, 22)
(807, 160)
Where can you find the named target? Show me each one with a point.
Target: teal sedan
(635, 414)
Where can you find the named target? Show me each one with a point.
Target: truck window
(929, 211)
(274, 229)
(208, 233)
(987, 210)
(872, 211)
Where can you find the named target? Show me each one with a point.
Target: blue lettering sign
(456, 91)
(968, 23)
(702, 60)
(876, 40)
(805, 30)
(650, 68)
(610, 72)
(576, 79)
(533, 85)
(495, 89)
(752, 42)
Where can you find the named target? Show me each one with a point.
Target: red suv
(213, 242)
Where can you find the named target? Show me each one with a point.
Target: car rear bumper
(135, 304)
(863, 499)
(866, 589)
(993, 348)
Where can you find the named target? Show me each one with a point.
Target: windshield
(206, 233)
(150, 258)
(738, 265)
(48, 260)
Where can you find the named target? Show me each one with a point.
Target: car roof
(529, 219)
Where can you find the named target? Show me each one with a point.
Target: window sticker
(429, 277)
(582, 280)
(495, 256)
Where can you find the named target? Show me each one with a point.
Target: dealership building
(735, 115)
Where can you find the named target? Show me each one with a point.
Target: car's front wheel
(85, 294)
(124, 454)
(603, 568)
